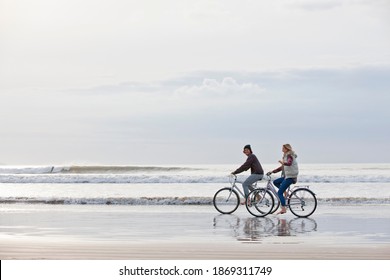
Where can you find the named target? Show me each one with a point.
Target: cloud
(316, 5)
(308, 107)
(222, 91)
(182, 95)
(227, 87)
(97, 41)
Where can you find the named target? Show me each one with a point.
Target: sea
(333, 184)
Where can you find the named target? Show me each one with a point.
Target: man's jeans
(247, 184)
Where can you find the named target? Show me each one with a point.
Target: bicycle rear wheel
(260, 202)
(302, 202)
(226, 200)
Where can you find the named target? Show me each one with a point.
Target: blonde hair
(288, 147)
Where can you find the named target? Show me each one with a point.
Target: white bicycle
(227, 200)
(301, 201)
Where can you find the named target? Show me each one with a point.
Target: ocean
(333, 184)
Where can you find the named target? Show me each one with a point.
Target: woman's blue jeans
(282, 184)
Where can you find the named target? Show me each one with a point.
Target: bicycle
(301, 201)
(227, 200)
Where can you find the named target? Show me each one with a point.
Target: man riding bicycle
(256, 170)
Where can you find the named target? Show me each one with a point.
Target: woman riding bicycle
(289, 168)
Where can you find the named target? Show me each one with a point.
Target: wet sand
(108, 232)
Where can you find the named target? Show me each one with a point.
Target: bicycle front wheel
(226, 200)
(276, 204)
(260, 202)
(302, 202)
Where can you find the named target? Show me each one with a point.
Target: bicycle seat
(295, 180)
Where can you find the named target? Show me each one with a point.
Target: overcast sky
(184, 82)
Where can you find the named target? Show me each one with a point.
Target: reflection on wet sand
(258, 229)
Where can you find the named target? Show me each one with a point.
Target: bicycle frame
(234, 186)
(272, 188)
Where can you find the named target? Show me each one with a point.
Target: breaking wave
(162, 178)
(78, 174)
(79, 169)
(172, 201)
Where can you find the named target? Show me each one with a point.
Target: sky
(191, 82)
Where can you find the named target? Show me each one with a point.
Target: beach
(166, 212)
(184, 232)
